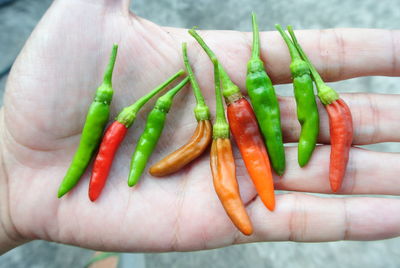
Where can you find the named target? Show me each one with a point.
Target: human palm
(52, 84)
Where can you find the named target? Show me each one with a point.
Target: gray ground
(18, 19)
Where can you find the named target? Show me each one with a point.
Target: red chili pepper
(341, 131)
(244, 128)
(113, 137)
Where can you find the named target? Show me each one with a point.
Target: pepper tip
(60, 193)
(92, 197)
(335, 188)
(248, 231)
(271, 206)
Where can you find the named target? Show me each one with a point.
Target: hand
(51, 87)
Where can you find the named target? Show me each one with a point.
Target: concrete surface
(18, 19)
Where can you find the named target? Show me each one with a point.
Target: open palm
(52, 85)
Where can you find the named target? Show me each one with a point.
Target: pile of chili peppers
(255, 127)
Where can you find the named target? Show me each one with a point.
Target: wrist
(9, 237)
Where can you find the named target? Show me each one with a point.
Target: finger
(367, 172)
(376, 118)
(345, 53)
(307, 218)
(336, 53)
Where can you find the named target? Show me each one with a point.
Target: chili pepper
(95, 123)
(340, 122)
(246, 133)
(151, 134)
(265, 104)
(307, 109)
(223, 167)
(243, 124)
(200, 140)
(113, 137)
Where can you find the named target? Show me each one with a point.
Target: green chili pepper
(96, 120)
(151, 134)
(307, 109)
(265, 104)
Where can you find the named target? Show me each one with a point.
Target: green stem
(255, 52)
(104, 92)
(221, 127)
(100, 257)
(108, 73)
(292, 49)
(326, 94)
(128, 115)
(201, 111)
(164, 102)
(229, 88)
(315, 74)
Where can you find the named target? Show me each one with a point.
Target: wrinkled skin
(52, 84)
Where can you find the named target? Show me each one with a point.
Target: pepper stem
(255, 52)
(221, 127)
(229, 88)
(110, 67)
(165, 101)
(294, 54)
(104, 92)
(201, 111)
(128, 115)
(326, 94)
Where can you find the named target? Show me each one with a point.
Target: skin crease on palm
(52, 84)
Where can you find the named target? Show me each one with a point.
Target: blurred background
(19, 17)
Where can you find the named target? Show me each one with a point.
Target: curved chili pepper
(151, 134)
(200, 140)
(95, 123)
(223, 167)
(197, 144)
(340, 122)
(265, 104)
(113, 137)
(245, 131)
(307, 109)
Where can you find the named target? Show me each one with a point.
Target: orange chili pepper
(197, 144)
(223, 166)
(226, 186)
(200, 139)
